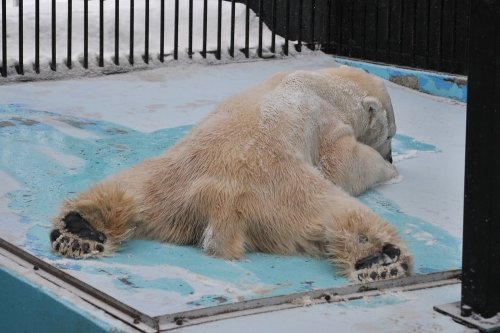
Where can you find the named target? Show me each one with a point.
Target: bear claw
(372, 274)
(381, 265)
(389, 254)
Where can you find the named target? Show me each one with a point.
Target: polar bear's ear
(371, 104)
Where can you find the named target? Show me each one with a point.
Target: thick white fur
(271, 169)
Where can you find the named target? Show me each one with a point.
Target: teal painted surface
(434, 84)
(51, 164)
(27, 308)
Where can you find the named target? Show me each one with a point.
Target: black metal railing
(18, 61)
(430, 34)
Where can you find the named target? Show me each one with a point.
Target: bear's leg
(353, 166)
(95, 222)
(365, 247)
(223, 237)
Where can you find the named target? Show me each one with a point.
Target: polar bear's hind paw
(382, 265)
(77, 239)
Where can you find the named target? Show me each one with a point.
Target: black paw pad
(86, 248)
(54, 234)
(389, 254)
(392, 251)
(77, 225)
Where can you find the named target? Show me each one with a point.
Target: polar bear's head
(375, 124)
(380, 126)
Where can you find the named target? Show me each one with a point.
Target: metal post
(20, 68)
(261, 21)
(273, 32)
(481, 243)
(131, 33)
(85, 34)
(117, 32)
(219, 30)
(37, 36)
(176, 29)
(247, 27)
(162, 31)
(53, 63)
(481, 234)
(231, 46)
(70, 26)
(298, 46)
(146, 33)
(4, 38)
(190, 28)
(287, 26)
(204, 52)
(101, 33)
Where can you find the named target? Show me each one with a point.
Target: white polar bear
(271, 169)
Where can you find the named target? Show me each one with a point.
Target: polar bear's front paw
(77, 238)
(386, 264)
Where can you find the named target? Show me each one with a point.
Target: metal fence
(133, 22)
(429, 34)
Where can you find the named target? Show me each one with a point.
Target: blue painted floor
(51, 149)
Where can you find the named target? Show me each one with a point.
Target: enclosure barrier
(429, 34)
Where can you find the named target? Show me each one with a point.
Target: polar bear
(272, 169)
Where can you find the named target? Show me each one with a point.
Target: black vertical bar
(20, 67)
(37, 36)
(364, 29)
(162, 31)
(428, 35)
(231, 46)
(389, 18)
(4, 38)
(299, 41)
(376, 29)
(461, 33)
(219, 30)
(312, 14)
(481, 232)
(261, 18)
(190, 37)
(347, 26)
(53, 64)
(357, 20)
(329, 27)
(400, 42)
(117, 32)
(205, 14)
(247, 28)
(85, 34)
(448, 35)
(273, 32)
(414, 34)
(338, 27)
(101, 33)
(131, 53)
(69, 61)
(176, 30)
(146, 33)
(287, 27)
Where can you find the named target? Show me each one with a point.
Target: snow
(124, 32)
